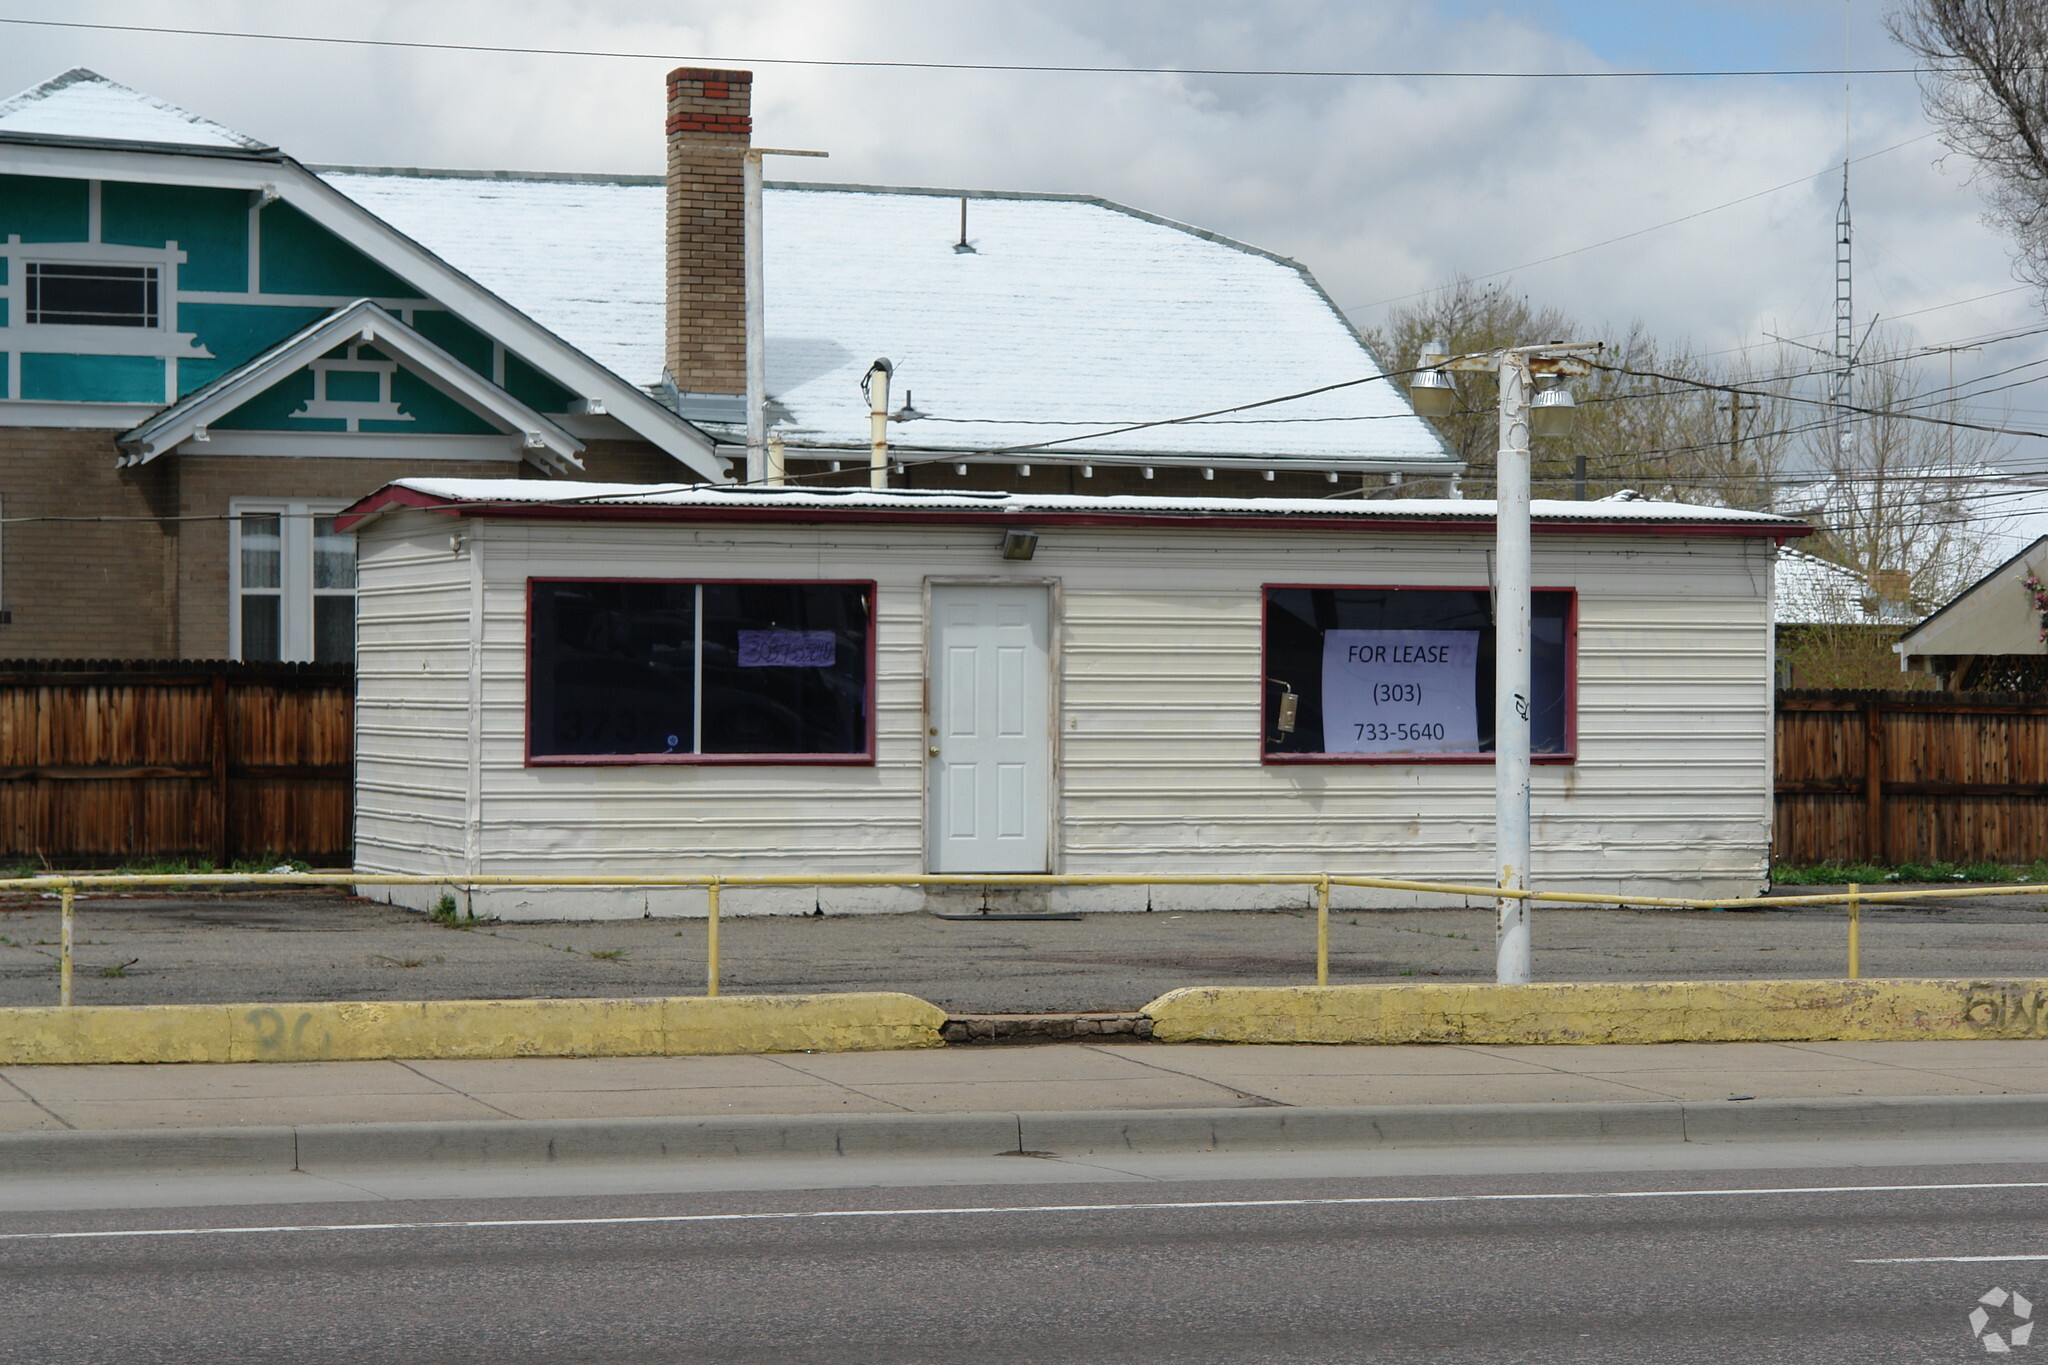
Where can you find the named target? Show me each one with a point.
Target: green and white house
(206, 350)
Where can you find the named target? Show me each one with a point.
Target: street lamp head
(1433, 393)
(1551, 412)
(1434, 353)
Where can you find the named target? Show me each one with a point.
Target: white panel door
(990, 751)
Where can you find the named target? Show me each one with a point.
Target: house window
(293, 583)
(1405, 675)
(65, 293)
(650, 671)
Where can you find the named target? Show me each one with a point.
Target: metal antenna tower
(1845, 296)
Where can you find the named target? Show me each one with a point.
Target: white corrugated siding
(1159, 712)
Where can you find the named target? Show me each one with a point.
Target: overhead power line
(699, 59)
(1644, 231)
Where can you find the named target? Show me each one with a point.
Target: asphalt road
(256, 947)
(1667, 1267)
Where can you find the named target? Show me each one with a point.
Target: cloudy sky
(1383, 186)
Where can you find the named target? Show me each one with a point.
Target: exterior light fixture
(1432, 393)
(1020, 544)
(1551, 412)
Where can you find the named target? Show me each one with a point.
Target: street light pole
(1511, 644)
(1516, 370)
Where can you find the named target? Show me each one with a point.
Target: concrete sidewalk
(1105, 1078)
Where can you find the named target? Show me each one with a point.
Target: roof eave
(393, 497)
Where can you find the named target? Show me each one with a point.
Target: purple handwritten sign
(788, 649)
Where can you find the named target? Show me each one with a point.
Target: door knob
(935, 751)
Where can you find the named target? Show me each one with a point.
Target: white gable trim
(541, 439)
(354, 224)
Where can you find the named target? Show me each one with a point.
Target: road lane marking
(1945, 1260)
(1358, 1201)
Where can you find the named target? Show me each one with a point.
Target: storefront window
(655, 671)
(1404, 675)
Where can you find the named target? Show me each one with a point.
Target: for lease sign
(1400, 691)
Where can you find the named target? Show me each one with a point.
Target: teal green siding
(456, 337)
(296, 256)
(210, 226)
(533, 388)
(272, 409)
(354, 386)
(39, 209)
(301, 257)
(92, 378)
(433, 412)
(236, 333)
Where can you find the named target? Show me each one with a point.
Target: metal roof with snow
(1811, 591)
(558, 499)
(1070, 315)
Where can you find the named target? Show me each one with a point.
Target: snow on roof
(1070, 314)
(594, 496)
(85, 104)
(1816, 592)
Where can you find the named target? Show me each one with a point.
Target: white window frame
(295, 570)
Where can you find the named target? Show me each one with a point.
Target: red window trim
(865, 758)
(1571, 681)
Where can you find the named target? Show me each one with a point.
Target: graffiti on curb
(1999, 1007)
(273, 1036)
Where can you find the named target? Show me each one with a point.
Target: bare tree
(1900, 499)
(1986, 85)
(1651, 418)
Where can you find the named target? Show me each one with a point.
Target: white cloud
(1383, 187)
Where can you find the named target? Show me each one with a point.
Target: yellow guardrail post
(1855, 931)
(1323, 931)
(64, 909)
(711, 937)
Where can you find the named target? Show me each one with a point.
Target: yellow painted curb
(370, 1030)
(1589, 1012)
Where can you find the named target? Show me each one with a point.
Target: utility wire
(1642, 231)
(505, 49)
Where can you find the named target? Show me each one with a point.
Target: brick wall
(631, 462)
(93, 580)
(709, 126)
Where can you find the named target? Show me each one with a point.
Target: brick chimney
(709, 126)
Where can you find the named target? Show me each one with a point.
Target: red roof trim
(389, 497)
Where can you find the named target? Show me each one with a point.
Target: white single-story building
(577, 679)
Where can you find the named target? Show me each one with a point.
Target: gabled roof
(86, 105)
(1981, 619)
(107, 138)
(530, 498)
(1811, 591)
(1069, 315)
(540, 438)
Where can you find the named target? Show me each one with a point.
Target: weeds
(609, 954)
(1842, 874)
(452, 916)
(119, 969)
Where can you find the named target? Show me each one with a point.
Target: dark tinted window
(91, 295)
(616, 669)
(1403, 671)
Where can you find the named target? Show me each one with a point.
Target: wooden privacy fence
(1892, 777)
(111, 761)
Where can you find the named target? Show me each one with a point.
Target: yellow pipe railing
(67, 886)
